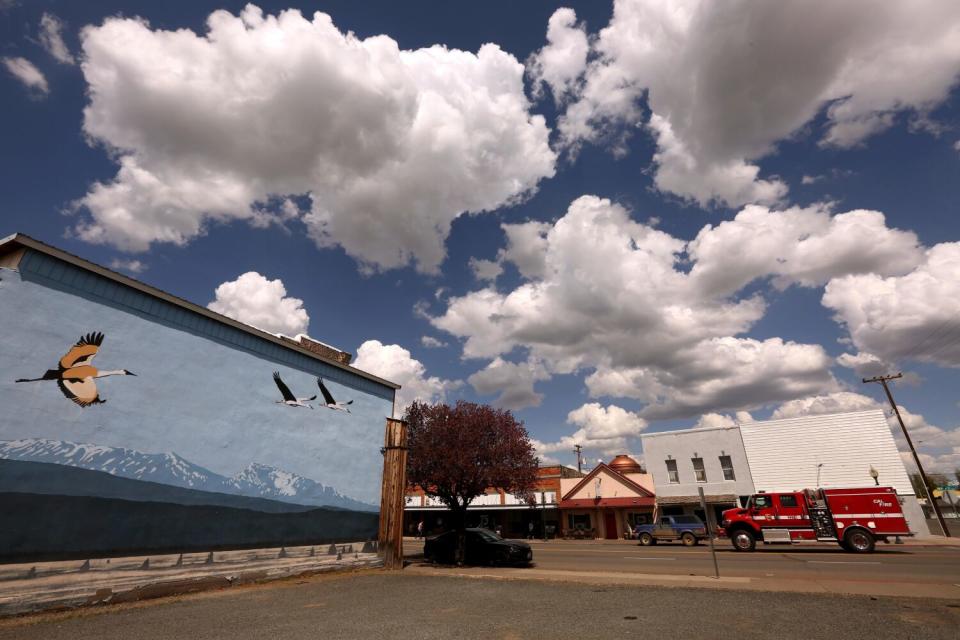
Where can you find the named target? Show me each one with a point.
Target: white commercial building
(836, 450)
(711, 458)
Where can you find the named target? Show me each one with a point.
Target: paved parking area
(412, 607)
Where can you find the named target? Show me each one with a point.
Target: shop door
(610, 525)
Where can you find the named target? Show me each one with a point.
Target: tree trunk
(460, 525)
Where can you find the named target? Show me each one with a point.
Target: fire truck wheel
(859, 541)
(743, 540)
(647, 540)
(688, 539)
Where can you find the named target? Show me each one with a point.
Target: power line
(926, 481)
(942, 330)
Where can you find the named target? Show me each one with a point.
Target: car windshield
(487, 535)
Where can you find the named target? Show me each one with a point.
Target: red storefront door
(610, 525)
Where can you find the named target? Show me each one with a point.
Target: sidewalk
(32, 587)
(925, 541)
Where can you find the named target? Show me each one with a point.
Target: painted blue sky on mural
(609, 218)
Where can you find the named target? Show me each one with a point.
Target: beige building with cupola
(608, 502)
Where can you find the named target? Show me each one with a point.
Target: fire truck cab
(855, 518)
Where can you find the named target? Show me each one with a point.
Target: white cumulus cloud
(726, 81)
(617, 298)
(394, 363)
(52, 39)
(712, 420)
(514, 382)
(564, 59)
(485, 270)
(25, 71)
(130, 266)
(432, 343)
(911, 316)
(804, 246)
(603, 429)
(261, 303)
(389, 145)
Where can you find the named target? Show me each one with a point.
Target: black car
(482, 547)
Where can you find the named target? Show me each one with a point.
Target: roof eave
(25, 241)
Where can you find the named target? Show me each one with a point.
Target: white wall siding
(784, 454)
(709, 444)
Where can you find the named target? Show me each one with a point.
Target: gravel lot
(383, 605)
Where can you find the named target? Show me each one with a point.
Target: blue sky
(369, 173)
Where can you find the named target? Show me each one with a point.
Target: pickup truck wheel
(688, 539)
(647, 540)
(743, 540)
(859, 541)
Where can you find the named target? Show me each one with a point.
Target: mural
(195, 455)
(75, 376)
(288, 398)
(328, 400)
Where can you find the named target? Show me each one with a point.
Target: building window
(698, 470)
(672, 472)
(727, 465)
(578, 521)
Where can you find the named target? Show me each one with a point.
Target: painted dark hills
(255, 481)
(61, 512)
(57, 479)
(51, 527)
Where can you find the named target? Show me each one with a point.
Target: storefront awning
(715, 499)
(490, 507)
(592, 503)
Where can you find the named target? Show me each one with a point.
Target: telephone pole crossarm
(916, 458)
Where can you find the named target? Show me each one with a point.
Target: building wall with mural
(133, 422)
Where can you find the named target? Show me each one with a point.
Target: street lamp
(819, 466)
(875, 475)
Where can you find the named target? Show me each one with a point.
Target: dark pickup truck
(688, 529)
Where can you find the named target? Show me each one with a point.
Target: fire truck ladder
(822, 522)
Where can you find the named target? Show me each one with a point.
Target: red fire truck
(854, 518)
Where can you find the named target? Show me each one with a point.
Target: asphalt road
(413, 607)
(890, 563)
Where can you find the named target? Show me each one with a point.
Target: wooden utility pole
(392, 493)
(923, 476)
(577, 449)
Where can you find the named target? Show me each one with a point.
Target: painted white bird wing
(83, 391)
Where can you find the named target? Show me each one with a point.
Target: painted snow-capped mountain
(256, 481)
(261, 481)
(165, 468)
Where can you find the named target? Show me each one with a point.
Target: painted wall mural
(76, 377)
(194, 452)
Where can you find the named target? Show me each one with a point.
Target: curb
(175, 587)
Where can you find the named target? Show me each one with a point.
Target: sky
(609, 218)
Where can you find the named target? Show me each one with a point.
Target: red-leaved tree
(456, 453)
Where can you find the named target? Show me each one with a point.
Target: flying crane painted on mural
(328, 400)
(292, 401)
(288, 398)
(75, 376)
